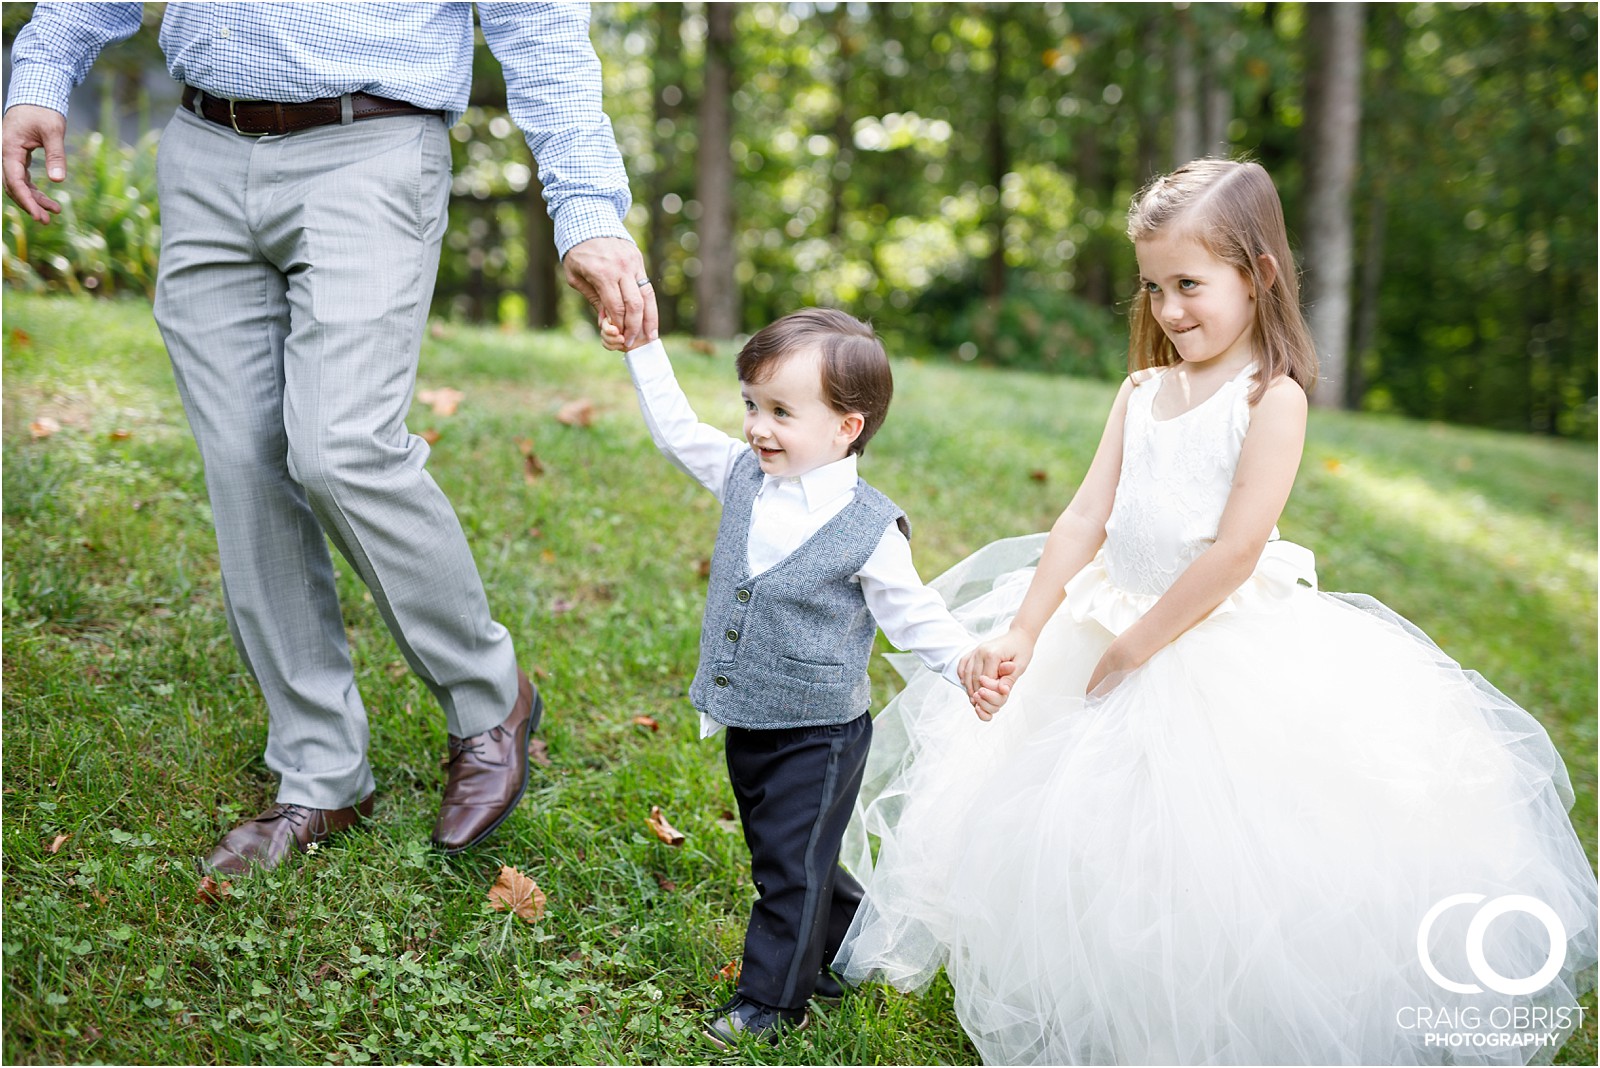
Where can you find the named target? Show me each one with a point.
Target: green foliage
(1030, 327)
(132, 729)
(107, 239)
(943, 168)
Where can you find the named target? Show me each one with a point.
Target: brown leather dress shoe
(263, 842)
(488, 775)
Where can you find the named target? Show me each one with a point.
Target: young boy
(809, 562)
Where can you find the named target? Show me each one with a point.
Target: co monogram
(1481, 968)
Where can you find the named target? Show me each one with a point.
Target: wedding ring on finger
(642, 282)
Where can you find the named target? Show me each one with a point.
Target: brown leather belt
(258, 118)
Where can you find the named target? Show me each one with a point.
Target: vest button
(733, 635)
(742, 596)
(721, 680)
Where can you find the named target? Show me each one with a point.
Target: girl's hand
(1114, 666)
(611, 335)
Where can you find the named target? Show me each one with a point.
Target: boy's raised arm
(701, 451)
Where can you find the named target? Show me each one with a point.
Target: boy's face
(787, 422)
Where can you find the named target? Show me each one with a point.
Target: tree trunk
(999, 153)
(1364, 335)
(1185, 91)
(668, 75)
(843, 141)
(1218, 92)
(716, 289)
(1332, 132)
(540, 286)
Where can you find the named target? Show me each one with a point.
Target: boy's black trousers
(796, 789)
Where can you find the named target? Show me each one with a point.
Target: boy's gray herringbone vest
(789, 647)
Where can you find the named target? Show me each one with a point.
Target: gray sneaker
(742, 1018)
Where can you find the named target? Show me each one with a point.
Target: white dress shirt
(787, 511)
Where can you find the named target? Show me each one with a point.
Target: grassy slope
(131, 727)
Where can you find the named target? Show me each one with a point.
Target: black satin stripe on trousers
(796, 789)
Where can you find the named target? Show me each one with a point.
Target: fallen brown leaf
(702, 567)
(665, 883)
(43, 427)
(702, 346)
(539, 752)
(122, 433)
(647, 721)
(517, 893)
(431, 436)
(729, 970)
(443, 401)
(55, 845)
(1039, 475)
(578, 412)
(21, 338)
(664, 830)
(211, 892)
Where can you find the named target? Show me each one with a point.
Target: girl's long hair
(1232, 208)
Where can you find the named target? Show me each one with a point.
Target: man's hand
(29, 127)
(606, 270)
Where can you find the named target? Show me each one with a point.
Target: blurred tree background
(959, 173)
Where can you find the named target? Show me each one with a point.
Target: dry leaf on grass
(515, 892)
(443, 401)
(538, 752)
(532, 468)
(122, 433)
(1039, 475)
(43, 427)
(211, 892)
(665, 883)
(55, 845)
(702, 346)
(431, 436)
(578, 412)
(729, 970)
(647, 722)
(664, 830)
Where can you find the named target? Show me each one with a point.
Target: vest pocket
(807, 671)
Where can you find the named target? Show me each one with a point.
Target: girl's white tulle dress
(1229, 858)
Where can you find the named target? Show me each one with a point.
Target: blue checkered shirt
(420, 53)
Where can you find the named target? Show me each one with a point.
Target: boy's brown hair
(852, 360)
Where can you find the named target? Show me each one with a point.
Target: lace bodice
(1174, 484)
(1175, 480)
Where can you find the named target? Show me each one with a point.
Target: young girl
(1222, 817)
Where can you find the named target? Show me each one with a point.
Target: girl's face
(788, 423)
(1206, 306)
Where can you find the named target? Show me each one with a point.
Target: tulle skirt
(1300, 834)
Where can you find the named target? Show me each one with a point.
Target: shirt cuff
(581, 218)
(41, 85)
(649, 362)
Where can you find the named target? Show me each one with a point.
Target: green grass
(132, 728)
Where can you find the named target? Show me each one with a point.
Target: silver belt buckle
(234, 122)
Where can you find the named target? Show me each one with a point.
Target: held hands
(608, 271)
(29, 127)
(989, 671)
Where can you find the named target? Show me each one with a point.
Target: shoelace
(459, 747)
(293, 813)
